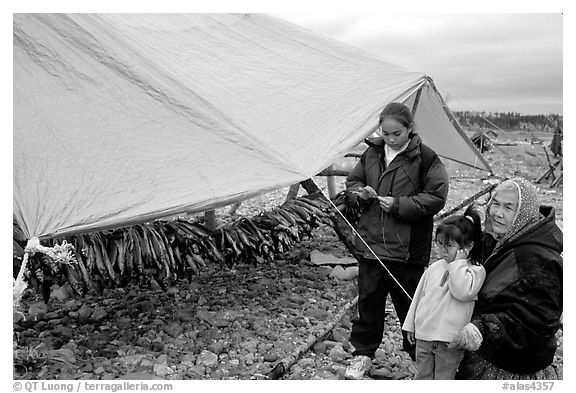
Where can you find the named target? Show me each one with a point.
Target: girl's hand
(411, 336)
(461, 254)
(386, 203)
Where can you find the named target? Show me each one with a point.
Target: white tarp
(120, 119)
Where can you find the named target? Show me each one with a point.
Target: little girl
(444, 299)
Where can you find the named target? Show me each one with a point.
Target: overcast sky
(489, 62)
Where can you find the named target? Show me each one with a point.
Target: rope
(360, 237)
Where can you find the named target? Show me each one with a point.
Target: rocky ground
(227, 324)
(232, 324)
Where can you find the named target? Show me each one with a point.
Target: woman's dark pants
(374, 285)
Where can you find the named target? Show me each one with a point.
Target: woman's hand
(468, 338)
(411, 336)
(386, 203)
(367, 193)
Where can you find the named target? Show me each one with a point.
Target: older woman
(518, 312)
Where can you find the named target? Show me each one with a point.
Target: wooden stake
(467, 201)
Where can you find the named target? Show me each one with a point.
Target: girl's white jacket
(444, 300)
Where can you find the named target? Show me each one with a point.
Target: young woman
(399, 197)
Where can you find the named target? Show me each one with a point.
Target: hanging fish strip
(161, 251)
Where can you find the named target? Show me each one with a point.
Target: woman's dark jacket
(520, 304)
(405, 233)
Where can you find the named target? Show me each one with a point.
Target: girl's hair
(399, 112)
(464, 229)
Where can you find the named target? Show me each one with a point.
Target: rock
(186, 314)
(55, 322)
(61, 293)
(249, 359)
(347, 274)
(325, 374)
(320, 348)
(401, 374)
(131, 361)
(340, 335)
(147, 363)
(143, 342)
(207, 359)
(99, 314)
(329, 294)
(198, 370)
(157, 346)
(162, 370)
(139, 375)
(381, 373)
(73, 304)
(297, 299)
(84, 313)
(187, 358)
(173, 329)
(339, 370)
(338, 354)
(319, 258)
(316, 313)
(299, 322)
(51, 343)
(173, 290)
(64, 332)
(145, 306)
(28, 333)
(124, 322)
(307, 362)
(206, 316)
(380, 354)
(36, 311)
(250, 346)
(324, 271)
(331, 344)
(220, 322)
(271, 356)
(217, 347)
(109, 302)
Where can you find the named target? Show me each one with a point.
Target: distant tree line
(508, 120)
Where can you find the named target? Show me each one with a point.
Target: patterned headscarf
(527, 212)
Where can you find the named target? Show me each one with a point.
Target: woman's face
(395, 135)
(503, 209)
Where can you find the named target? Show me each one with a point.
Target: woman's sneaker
(358, 367)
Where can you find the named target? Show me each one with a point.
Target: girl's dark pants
(374, 285)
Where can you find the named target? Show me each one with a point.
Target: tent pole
(331, 182)
(416, 102)
(210, 217)
(292, 192)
